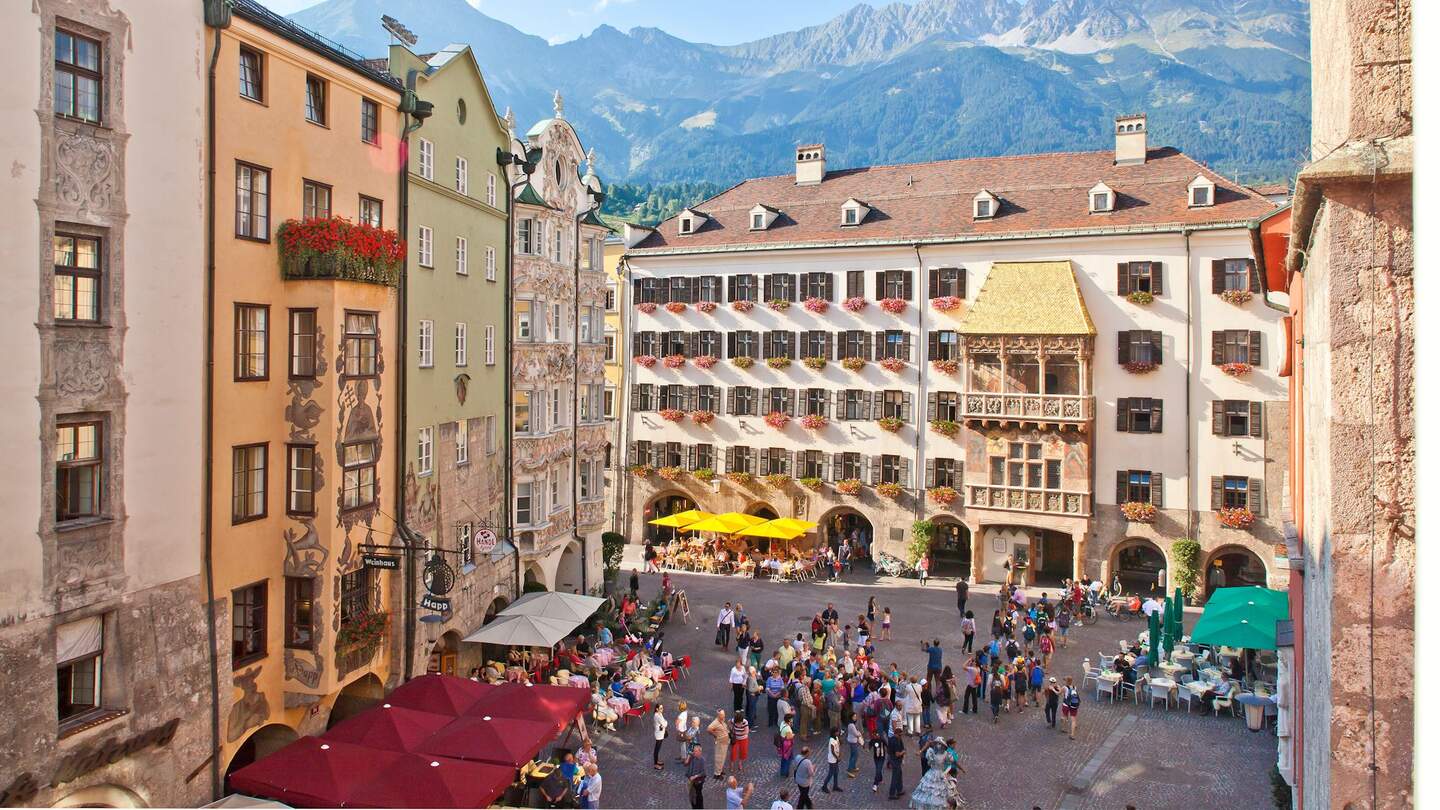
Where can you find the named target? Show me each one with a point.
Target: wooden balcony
(1062, 409)
(1024, 499)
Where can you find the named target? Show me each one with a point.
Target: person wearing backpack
(997, 693)
(1070, 703)
(1037, 681)
(1052, 701)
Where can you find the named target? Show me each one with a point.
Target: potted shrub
(742, 362)
(647, 307)
(848, 486)
(646, 360)
(945, 427)
(778, 362)
(945, 366)
(740, 477)
(894, 364)
(891, 491)
(742, 306)
(814, 363)
(671, 414)
(675, 307)
(1138, 511)
(1141, 366)
(1238, 517)
(1140, 297)
(779, 304)
(706, 307)
(943, 495)
(705, 361)
(853, 363)
(894, 306)
(704, 475)
(817, 305)
(641, 470)
(1237, 297)
(854, 304)
(674, 360)
(777, 420)
(702, 417)
(812, 483)
(947, 303)
(1237, 369)
(1185, 558)
(813, 421)
(669, 473)
(776, 480)
(889, 424)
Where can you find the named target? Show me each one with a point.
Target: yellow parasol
(681, 519)
(725, 524)
(796, 523)
(743, 519)
(773, 529)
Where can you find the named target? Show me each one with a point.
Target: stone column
(977, 552)
(1081, 544)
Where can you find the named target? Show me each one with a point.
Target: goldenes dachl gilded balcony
(1027, 499)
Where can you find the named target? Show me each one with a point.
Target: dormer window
(852, 212)
(687, 225)
(1201, 191)
(757, 222)
(690, 221)
(852, 217)
(1102, 199)
(762, 216)
(986, 204)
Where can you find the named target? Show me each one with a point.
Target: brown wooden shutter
(1255, 349)
(931, 403)
(906, 415)
(693, 344)
(1122, 279)
(879, 346)
(929, 472)
(837, 465)
(1156, 274)
(1255, 419)
(932, 343)
(1217, 493)
(905, 471)
(1217, 276)
(1157, 408)
(854, 284)
(1123, 348)
(874, 470)
(908, 285)
(933, 283)
(867, 346)
(690, 457)
(730, 400)
(879, 284)
(905, 347)
(869, 402)
(1217, 417)
(1217, 348)
(1254, 276)
(631, 456)
(1255, 497)
(1122, 486)
(1157, 346)
(1157, 488)
(1122, 415)
(960, 282)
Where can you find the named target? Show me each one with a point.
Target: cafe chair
(1189, 697)
(1091, 673)
(637, 711)
(1105, 687)
(1161, 693)
(684, 665)
(1226, 703)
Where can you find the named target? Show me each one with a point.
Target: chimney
(1129, 139)
(809, 164)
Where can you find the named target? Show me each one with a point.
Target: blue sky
(719, 23)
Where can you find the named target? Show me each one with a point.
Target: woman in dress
(933, 792)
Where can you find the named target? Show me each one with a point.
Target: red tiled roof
(1272, 188)
(920, 201)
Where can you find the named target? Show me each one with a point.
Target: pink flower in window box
(848, 486)
(674, 360)
(854, 304)
(778, 362)
(1141, 366)
(817, 305)
(1237, 369)
(705, 361)
(742, 306)
(1236, 518)
(675, 307)
(813, 421)
(647, 307)
(1138, 511)
(777, 420)
(894, 364)
(641, 470)
(945, 427)
(1237, 297)
(894, 306)
(646, 360)
(853, 363)
(947, 303)
(706, 307)
(779, 304)
(672, 414)
(890, 491)
(702, 417)
(945, 366)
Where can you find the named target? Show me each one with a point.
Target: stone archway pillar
(977, 551)
(1077, 564)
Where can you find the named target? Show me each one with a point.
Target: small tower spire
(510, 123)
(559, 106)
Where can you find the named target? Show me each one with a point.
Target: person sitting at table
(1237, 667)
(1125, 668)
(1224, 690)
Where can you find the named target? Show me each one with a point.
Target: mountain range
(1227, 81)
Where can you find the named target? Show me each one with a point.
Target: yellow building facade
(614, 376)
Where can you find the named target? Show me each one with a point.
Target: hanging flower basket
(1140, 297)
(776, 480)
(1237, 369)
(853, 363)
(363, 632)
(670, 473)
(947, 303)
(1237, 297)
(740, 477)
(778, 362)
(848, 486)
(672, 414)
(891, 491)
(706, 307)
(814, 363)
(674, 360)
(1138, 511)
(647, 307)
(777, 420)
(705, 361)
(704, 475)
(854, 304)
(894, 364)
(943, 495)
(945, 427)
(779, 304)
(702, 417)
(742, 306)
(641, 470)
(1141, 367)
(945, 366)
(889, 424)
(646, 360)
(813, 421)
(742, 362)
(675, 307)
(817, 305)
(894, 306)
(1236, 518)
(812, 483)
(335, 247)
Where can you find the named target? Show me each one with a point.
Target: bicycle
(1120, 609)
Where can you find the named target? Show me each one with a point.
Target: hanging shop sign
(387, 562)
(438, 576)
(485, 541)
(435, 603)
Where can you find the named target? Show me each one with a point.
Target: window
(522, 411)
(944, 345)
(371, 211)
(895, 405)
(490, 188)
(1236, 417)
(299, 613)
(983, 208)
(775, 460)
(355, 590)
(1052, 473)
(463, 534)
(462, 256)
(252, 328)
(358, 488)
(1132, 277)
(741, 459)
(462, 175)
(609, 402)
(943, 472)
(247, 636)
(557, 322)
(1235, 492)
(369, 121)
(707, 398)
(252, 202)
(855, 405)
(524, 320)
(424, 451)
(79, 468)
(702, 457)
(247, 482)
(77, 76)
(426, 344)
(890, 470)
(524, 504)
(490, 344)
(847, 466)
(427, 247)
(852, 216)
(1200, 195)
(780, 344)
(744, 344)
(362, 345)
(555, 503)
(490, 444)
(77, 278)
(946, 406)
(855, 343)
(1140, 486)
(893, 344)
(462, 344)
(462, 441)
(854, 283)
(744, 287)
(1102, 199)
(555, 244)
(1138, 415)
(779, 399)
(686, 225)
(1140, 346)
(316, 200)
(303, 344)
(673, 342)
(893, 284)
(252, 76)
(79, 661)
(744, 401)
(525, 236)
(300, 479)
(427, 159)
(489, 263)
(1237, 275)
(757, 222)
(707, 343)
(611, 296)
(781, 286)
(315, 89)
(1023, 465)
(947, 281)
(1235, 346)
(609, 345)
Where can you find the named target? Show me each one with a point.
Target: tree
(1186, 559)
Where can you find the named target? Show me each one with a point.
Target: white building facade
(1052, 332)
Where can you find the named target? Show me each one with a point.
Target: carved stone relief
(250, 709)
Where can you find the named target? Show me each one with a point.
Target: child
(885, 625)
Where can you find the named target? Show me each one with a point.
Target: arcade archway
(845, 523)
(762, 510)
(1137, 562)
(445, 655)
(664, 505)
(263, 742)
(102, 796)
(357, 696)
(1234, 566)
(534, 579)
(950, 550)
(570, 573)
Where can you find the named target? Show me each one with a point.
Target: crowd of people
(735, 555)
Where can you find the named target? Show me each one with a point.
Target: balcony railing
(1025, 499)
(1028, 407)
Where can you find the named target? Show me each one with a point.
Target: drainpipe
(1190, 470)
(627, 428)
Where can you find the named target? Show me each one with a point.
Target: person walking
(739, 742)
(1037, 681)
(997, 693)
(738, 676)
(973, 677)
(661, 727)
(1052, 702)
(724, 623)
(895, 756)
(590, 787)
(855, 740)
(935, 659)
(913, 704)
(962, 594)
(719, 731)
(923, 569)
(634, 583)
(944, 691)
(1070, 703)
(650, 566)
(695, 775)
(885, 625)
(832, 763)
(804, 779)
(967, 629)
(735, 796)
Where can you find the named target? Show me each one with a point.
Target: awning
(311, 772)
(565, 607)
(240, 800)
(1242, 617)
(439, 694)
(389, 727)
(556, 705)
(522, 631)
(426, 781)
(772, 529)
(728, 523)
(486, 738)
(680, 519)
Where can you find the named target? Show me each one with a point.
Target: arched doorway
(445, 655)
(570, 574)
(844, 522)
(102, 796)
(1234, 566)
(357, 696)
(265, 741)
(1137, 562)
(534, 579)
(950, 553)
(661, 506)
(493, 652)
(762, 510)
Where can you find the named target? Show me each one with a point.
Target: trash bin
(1254, 711)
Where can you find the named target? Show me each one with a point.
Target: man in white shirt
(737, 685)
(783, 802)
(1150, 606)
(723, 624)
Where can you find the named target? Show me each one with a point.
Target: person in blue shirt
(936, 663)
(1037, 682)
(603, 636)
(774, 685)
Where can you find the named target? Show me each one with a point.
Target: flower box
(646, 360)
(675, 307)
(1237, 369)
(1140, 297)
(363, 632)
(740, 477)
(705, 361)
(812, 483)
(669, 473)
(943, 495)
(742, 362)
(854, 304)
(1138, 511)
(674, 360)
(706, 307)
(1141, 367)
(702, 417)
(891, 491)
(817, 305)
(848, 486)
(336, 248)
(742, 306)
(947, 303)
(853, 363)
(641, 470)
(704, 475)
(779, 304)
(1236, 518)
(776, 480)
(814, 363)
(672, 414)
(894, 306)
(1237, 297)
(946, 366)
(889, 424)
(945, 427)
(778, 362)
(894, 364)
(813, 421)
(777, 420)
(648, 307)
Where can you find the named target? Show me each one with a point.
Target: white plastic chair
(1104, 687)
(1091, 673)
(1187, 696)
(1161, 693)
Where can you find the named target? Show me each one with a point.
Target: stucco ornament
(82, 369)
(86, 171)
(250, 709)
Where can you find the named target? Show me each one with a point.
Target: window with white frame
(524, 320)
(609, 402)
(584, 476)
(489, 344)
(557, 322)
(462, 175)
(524, 503)
(463, 533)
(490, 188)
(427, 159)
(612, 297)
(557, 492)
(426, 344)
(489, 262)
(557, 407)
(425, 451)
(462, 344)
(462, 256)
(585, 325)
(79, 661)
(525, 235)
(462, 441)
(427, 247)
(609, 344)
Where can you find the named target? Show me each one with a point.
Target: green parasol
(1242, 617)
(1155, 637)
(1277, 602)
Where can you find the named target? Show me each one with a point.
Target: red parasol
(556, 705)
(500, 740)
(389, 727)
(311, 772)
(416, 780)
(439, 694)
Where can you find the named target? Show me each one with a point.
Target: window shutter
(929, 473)
(1255, 416)
(931, 403)
(1255, 349)
(729, 459)
(632, 456)
(693, 347)
(730, 344)
(765, 338)
(730, 400)
(837, 462)
(1217, 276)
(1122, 415)
(1254, 276)
(769, 287)
(879, 345)
(905, 347)
(690, 457)
(867, 403)
(1255, 498)
(854, 284)
(1217, 493)
(874, 470)
(868, 350)
(830, 404)
(1157, 272)
(1122, 279)
(1156, 346)
(792, 345)
(826, 340)
(960, 275)
(635, 348)
(932, 346)
(905, 413)
(934, 283)
(905, 471)
(730, 288)
(637, 291)
(908, 285)
(1122, 486)
(824, 467)
(765, 463)
(692, 394)
(879, 284)
(635, 397)
(790, 288)
(1157, 412)
(1217, 348)
(790, 401)
(1123, 353)
(789, 462)
(1217, 417)
(1157, 488)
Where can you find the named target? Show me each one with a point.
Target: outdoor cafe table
(1172, 669)
(1109, 676)
(1166, 684)
(1210, 673)
(1197, 688)
(1255, 708)
(1183, 657)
